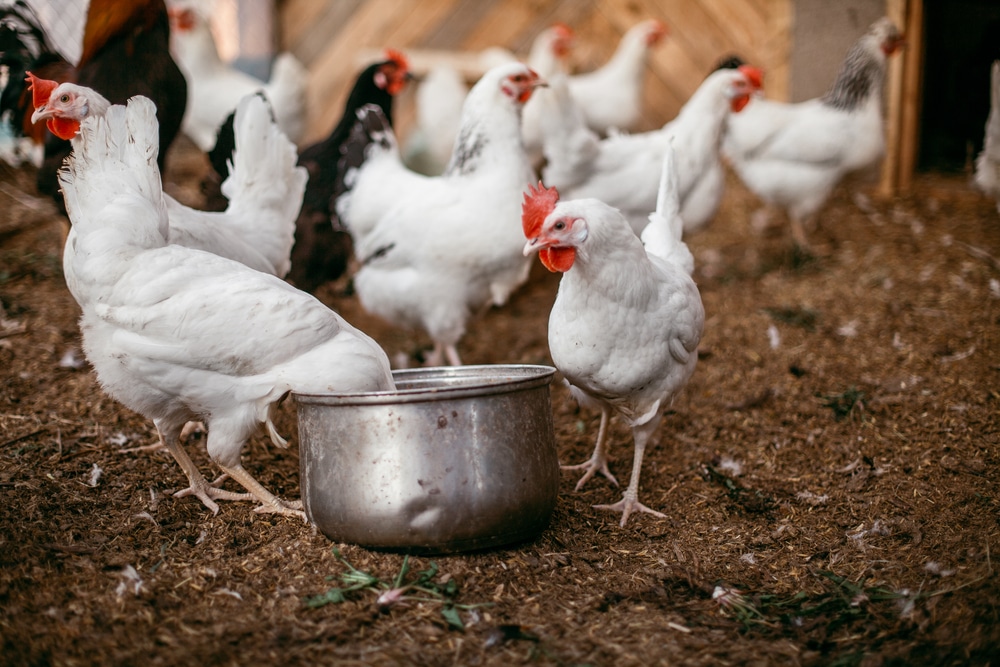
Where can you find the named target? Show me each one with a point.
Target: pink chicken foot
(630, 499)
(598, 461)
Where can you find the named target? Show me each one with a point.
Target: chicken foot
(630, 499)
(270, 503)
(598, 461)
(207, 492)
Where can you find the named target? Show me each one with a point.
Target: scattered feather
(811, 498)
(933, 567)
(71, 360)
(146, 516)
(229, 592)
(773, 337)
(95, 475)
(748, 558)
(995, 288)
(131, 582)
(731, 466)
(958, 356)
(849, 330)
(118, 439)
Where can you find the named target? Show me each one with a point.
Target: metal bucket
(458, 458)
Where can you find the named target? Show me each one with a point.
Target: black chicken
(322, 246)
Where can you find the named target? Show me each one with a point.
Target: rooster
(611, 95)
(176, 333)
(322, 246)
(264, 189)
(215, 88)
(126, 52)
(24, 46)
(627, 319)
(623, 170)
(433, 249)
(987, 175)
(793, 155)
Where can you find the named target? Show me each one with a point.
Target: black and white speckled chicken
(793, 155)
(435, 249)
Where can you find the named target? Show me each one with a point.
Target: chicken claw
(628, 505)
(209, 492)
(598, 461)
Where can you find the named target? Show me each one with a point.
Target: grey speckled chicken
(793, 155)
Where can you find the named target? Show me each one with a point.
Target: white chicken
(793, 155)
(611, 95)
(433, 249)
(178, 334)
(623, 170)
(626, 323)
(264, 188)
(987, 175)
(215, 87)
(441, 94)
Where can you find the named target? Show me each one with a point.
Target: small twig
(22, 437)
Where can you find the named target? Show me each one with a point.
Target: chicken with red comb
(626, 323)
(622, 170)
(792, 155)
(434, 250)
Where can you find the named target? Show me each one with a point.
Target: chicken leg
(630, 499)
(270, 503)
(598, 461)
(198, 485)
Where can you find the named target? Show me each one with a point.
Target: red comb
(399, 58)
(753, 74)
(538, 203)
(41, 89)
(563, 30)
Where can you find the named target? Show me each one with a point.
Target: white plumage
(611, 95)
(987, 176)
(434, 249)
(179, 334)
(624, 170)
(264, 186)
(625, 326)
(793, 155)
(215, 87)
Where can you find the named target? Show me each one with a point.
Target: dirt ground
(829, 476)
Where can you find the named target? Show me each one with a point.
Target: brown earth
(831, 500)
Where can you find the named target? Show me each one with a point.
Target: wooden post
(889, 181)
(909, 127)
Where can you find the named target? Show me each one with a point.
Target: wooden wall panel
(334, 38)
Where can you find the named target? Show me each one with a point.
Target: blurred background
(936, 102)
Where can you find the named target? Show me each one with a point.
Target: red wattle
(557, 260)
(64, 128)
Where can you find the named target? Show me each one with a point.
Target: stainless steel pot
(458, 458)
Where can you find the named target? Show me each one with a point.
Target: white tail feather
(265, 186)
(663, 234)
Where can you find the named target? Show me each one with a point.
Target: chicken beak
(532, 246)
(41, 113)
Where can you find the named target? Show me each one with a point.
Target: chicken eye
(559, 226)
(64, 98)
